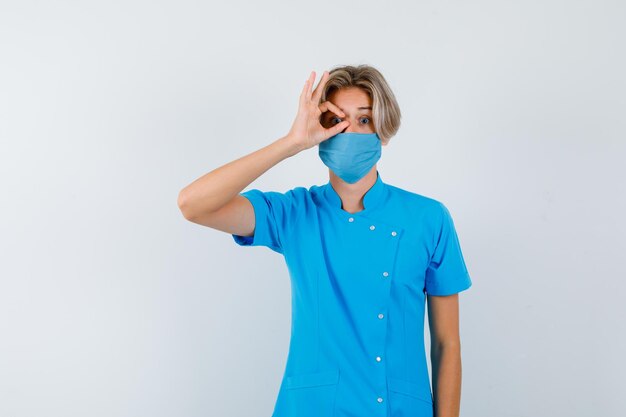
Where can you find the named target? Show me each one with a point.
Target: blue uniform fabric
(358, 284)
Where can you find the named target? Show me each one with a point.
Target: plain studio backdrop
(113, 305)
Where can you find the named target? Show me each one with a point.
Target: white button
(378, 359)
(385, 274)
(372, 227)
(380, 400)
(393, 233)
(351, 219)
(381, 315)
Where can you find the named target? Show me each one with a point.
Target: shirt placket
(385, 238)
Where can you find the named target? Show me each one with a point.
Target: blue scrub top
(358, 286)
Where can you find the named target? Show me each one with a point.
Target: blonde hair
(385, 109)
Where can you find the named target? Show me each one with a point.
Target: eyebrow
(358, 108)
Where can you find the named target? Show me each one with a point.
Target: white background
(112, 304)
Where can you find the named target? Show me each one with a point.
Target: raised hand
(307, 130)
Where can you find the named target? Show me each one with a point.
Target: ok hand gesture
(307, 130)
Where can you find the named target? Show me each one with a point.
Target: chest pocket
(411, 263)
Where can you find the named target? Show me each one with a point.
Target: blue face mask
(351, 155)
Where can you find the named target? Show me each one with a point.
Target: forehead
(350, 98)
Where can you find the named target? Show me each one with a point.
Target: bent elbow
(183, 205)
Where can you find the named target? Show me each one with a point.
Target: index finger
(329, 106)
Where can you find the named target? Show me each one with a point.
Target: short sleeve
(271, 212)
(446, 273)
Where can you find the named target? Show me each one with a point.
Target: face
(357, 106)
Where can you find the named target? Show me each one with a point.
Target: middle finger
(318, 90)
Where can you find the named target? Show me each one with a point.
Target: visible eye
(367, 120)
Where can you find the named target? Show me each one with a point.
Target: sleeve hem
(451, 289)
(257, 237)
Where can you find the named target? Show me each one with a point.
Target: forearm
(214, 189)
(446, 375)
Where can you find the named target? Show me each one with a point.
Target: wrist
(291, 146)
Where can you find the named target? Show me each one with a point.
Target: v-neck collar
(372, 198)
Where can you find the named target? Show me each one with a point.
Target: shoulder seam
(295, 200)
